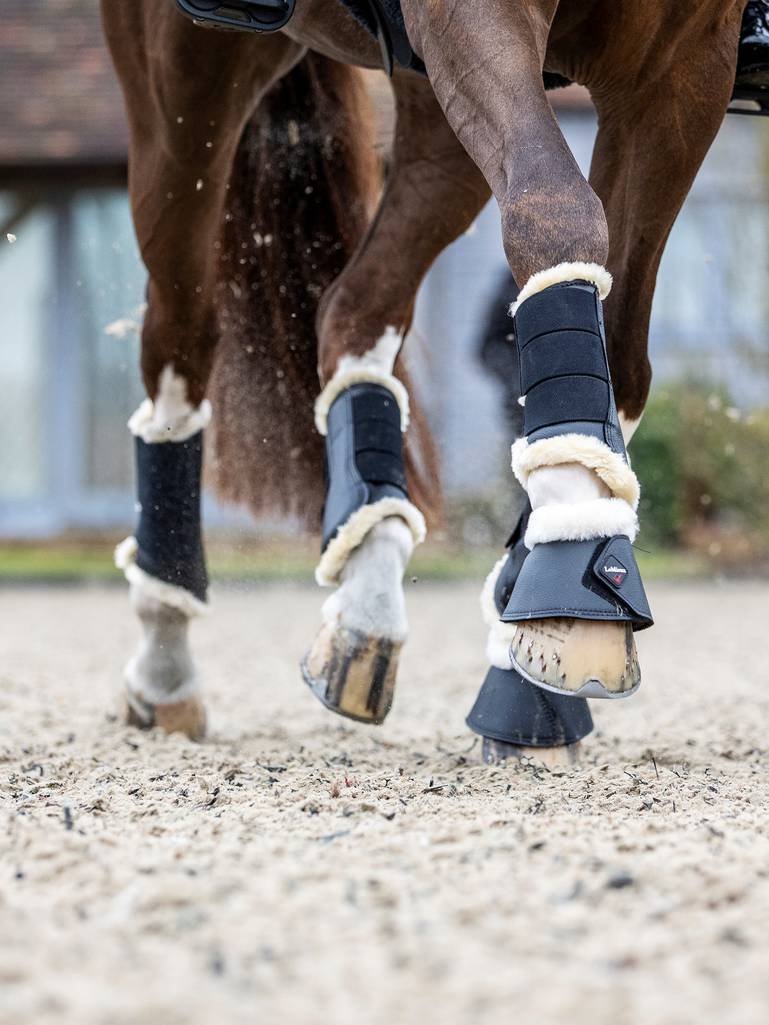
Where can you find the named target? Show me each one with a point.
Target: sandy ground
(299, 869)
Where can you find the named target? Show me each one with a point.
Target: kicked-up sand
(299, 869)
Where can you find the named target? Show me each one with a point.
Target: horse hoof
(582, 657)
(351, 673)
(187, 717)
(496, 752)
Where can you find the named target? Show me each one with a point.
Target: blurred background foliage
(71, 299)
(702, 463)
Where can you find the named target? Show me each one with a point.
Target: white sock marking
(370, 597)
(629, 427)
(170, 417)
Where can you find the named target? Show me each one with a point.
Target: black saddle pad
(384, 20)
(373, 14)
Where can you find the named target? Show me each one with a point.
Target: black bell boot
(510, 713)
(579, 594)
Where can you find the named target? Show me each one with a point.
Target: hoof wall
(496, 752)
(582, 657)
(187, 717)
(353, 674)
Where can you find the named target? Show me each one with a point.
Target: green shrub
(702, 464)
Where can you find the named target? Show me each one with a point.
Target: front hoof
(353, 674)
(187, 716)
(496, 752)
(582, 657)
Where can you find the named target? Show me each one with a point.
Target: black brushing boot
(578, 596)
(169, 536)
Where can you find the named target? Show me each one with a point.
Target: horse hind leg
(161, 680)
(188, 98)
(370, 523)
(164, 560)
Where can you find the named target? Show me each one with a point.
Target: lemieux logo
(615, 573)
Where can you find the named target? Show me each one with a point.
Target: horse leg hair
(433, 194)
(188, 94)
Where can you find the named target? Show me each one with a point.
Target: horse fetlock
(162, 669)
(352, 665)
(370, 599)
(161, 681)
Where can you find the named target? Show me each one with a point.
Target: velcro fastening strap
(569, 307)
(169, 537)
(378, 437)
(364, 454)
(376, 403)
(381, 468)
(562, 400)
(561, 353)
(377, 434)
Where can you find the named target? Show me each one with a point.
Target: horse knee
(550, 222)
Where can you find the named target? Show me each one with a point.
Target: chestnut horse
(279, 269)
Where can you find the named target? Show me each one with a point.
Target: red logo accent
(616, 574)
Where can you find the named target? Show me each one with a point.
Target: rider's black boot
(753, 57)
(752, 81)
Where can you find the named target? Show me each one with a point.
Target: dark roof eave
(70, 173)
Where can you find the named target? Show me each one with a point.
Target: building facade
(72, 286)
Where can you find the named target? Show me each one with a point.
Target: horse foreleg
(650, 145)
(188, 94)
(433, 194)
(570, 616)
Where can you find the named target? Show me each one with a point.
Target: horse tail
(305, 181)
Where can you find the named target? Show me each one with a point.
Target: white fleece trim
(373, 367)
(352, 533)
(488, 605)
(167, 594)
(581, 521)
(592, 272)
(170, 417)
(582, 449)
(144, 424)
(500, 635)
